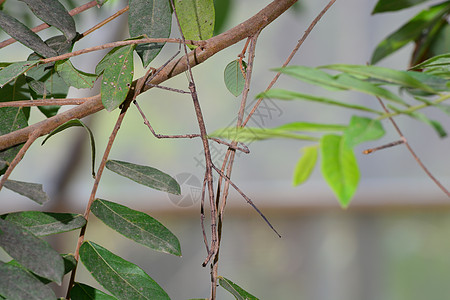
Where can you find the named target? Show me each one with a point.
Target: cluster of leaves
(35, 263)
(427, 82)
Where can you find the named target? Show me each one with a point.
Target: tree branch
(197, 56)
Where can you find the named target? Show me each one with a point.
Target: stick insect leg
(249, 201)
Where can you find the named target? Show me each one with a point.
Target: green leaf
(45, 83)
(69, 264)
(151, 18)
(290, 95)
(368, 88)
(145, 175)
(361, 130)
(410, 31)
(439, 60)
(307, 126)
(305, 165)
(71, 123)
(137, 226)
(117, 68)
(389, 5)
(11, 119)
(24, 35)
(30, 190)
(313, 76)
(82, 291)
(423, 118)
(74, 77)
(250, 134)
(234, 77)
(438, 65)
(339, 167)
(122, 278)
(45, 223)
(235, 290)
(31, 252)
(338, 82)
(222, 10)
(60, 44)
(54, 14)
(437, 83)
(196, 18)
(401, 78)
(16, 283)
(10, 72)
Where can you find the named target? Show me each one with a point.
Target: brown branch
(45, 102)
(288, 60)
(33, 136)
(43, 26)
(197, 56)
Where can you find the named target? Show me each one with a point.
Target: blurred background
(391, 243)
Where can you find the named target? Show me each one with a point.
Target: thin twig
(112, 137)
(43, 26)
(288, 60)
(168, 88)
(419, 162)
(385, 146)
(45, 102)
(185, 136)
(33, 136)
(106, 21)
(249, 201)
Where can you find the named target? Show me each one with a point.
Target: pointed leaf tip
(145, 175)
